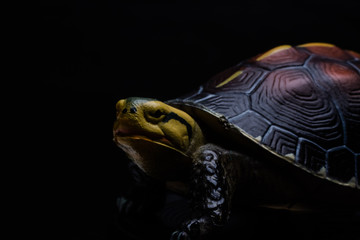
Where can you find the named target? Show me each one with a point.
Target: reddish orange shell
(301, 103)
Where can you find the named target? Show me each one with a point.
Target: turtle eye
(157, 114)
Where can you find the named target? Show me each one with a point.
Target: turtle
(281, 130)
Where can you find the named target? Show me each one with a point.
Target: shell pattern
(302, 103)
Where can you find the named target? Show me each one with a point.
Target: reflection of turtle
(282, 128)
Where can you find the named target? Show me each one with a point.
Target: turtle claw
(180, 235)
(124, 206)
(193, 229)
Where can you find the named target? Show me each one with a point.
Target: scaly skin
(213, 184)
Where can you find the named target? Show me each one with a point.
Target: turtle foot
(194, 229)
(180, 235)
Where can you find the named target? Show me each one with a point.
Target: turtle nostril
(133, 110)
(120, 105)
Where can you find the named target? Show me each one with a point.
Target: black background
(89, 54)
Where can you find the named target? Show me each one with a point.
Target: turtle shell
(301, 104)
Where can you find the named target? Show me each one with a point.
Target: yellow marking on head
(316, 44)
(232, 77)
(272, 51)
(157, 122)
(159, 138)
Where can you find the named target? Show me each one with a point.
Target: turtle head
(158, 137)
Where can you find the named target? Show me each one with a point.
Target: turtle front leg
(213, 183)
